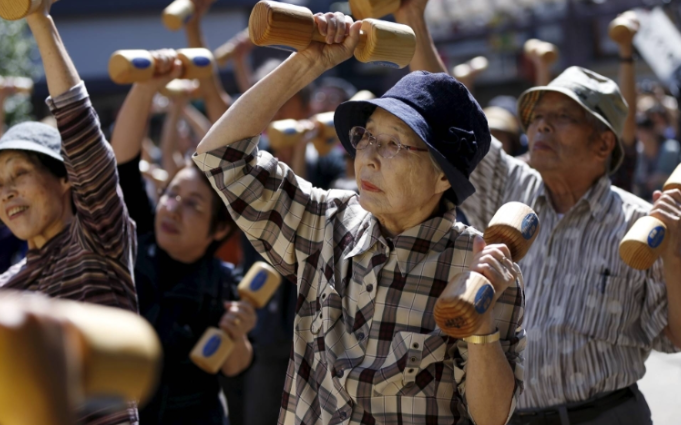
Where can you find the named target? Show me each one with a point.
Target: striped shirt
(91, 260)
(366, 347)
(591, 320)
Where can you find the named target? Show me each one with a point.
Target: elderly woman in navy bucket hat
(370, 266)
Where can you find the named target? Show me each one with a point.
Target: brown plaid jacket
(366, 346)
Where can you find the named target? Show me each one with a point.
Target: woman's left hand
(495, 263)
(239, 319)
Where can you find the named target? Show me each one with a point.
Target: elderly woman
(370, 267)
(59, 192)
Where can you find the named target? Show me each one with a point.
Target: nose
(368, 157)
(7, 193)
(543, 125)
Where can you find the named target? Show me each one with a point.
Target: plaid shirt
(366, 346)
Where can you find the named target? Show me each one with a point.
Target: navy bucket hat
(441, 112)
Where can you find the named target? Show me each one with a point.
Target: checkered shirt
(366, 346)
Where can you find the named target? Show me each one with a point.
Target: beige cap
(599, 95)
(500, 119)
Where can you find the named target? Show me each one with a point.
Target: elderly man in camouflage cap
(591, 319)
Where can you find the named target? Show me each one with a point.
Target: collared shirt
(591, 319)
(92, 259)
(366, 346)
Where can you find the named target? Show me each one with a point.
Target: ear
(222, 231)
(604, 145)
(64, 185)
(442, 184)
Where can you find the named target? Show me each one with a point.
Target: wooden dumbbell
(215, 346)
(177, 14)
(469, 295)
(468, 71)
(13, 10)
(542, 50)
(225, 52)
(181, 88)
(116, 354)
(19, 84)
(293, 28)
(646, 239)
(623, 28)
(133, 66)
(287, 133)
(363, 9)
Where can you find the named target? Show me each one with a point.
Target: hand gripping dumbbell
(133, 66)
(623, 28)
(542, 50)
(646, 239)
(19, 84)
(215, 346)
(177, 14)
(115, 353)
(469, 295)
(293, 28)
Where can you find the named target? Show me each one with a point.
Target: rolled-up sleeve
(276, 209)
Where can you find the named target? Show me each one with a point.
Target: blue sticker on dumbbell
(529, 225)
(201, 61)
(656, 236)
(483, 298)
(289, 131)
(141, 63)
(258, 281)
(212, 345)
(385, 63)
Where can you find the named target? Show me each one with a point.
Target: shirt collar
(412, 245)
(596, 198)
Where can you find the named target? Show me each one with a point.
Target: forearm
(197, 121)
(425, 57)
(489, 383)
(243, 74)
(60, 72)
(252, 112)
(240, 358)
(131, 124)
(672, 273)
(216, 99)
(169, 137)
(627, 82)
(542, 73)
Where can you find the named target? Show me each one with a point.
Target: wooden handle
(132, 66)
(646, 239)
(623, 28)
(114, 353)
(177, 14)
(516, 225)
(363, 9)
(461, 305)
(326, 138)
(385, 43)
(21, 85)
(468, 296)
(286, 133)
(13, 10)
(542, 50)
(471, 69)
(215, 346)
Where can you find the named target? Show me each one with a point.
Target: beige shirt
(591, 320)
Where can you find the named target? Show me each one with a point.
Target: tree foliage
(17, 49)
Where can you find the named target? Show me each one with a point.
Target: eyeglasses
(190, 205)
(386, 145)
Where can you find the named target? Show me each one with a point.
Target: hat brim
(529, 99)
(25, 145)
(356, 113)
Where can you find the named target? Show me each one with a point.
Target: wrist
(486, 326)
(37, 21)
(410, 17)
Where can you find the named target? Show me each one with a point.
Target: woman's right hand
(342, 36)
(168, 68)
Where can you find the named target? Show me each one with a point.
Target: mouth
(541, 146)
(15, 212)
(369, 187)
(169, 228)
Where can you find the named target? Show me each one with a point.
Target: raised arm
(627, 74)
(214, 95)
(426, 58)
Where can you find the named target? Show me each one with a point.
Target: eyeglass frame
(373, 140)
(177, 198)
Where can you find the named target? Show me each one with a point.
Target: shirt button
(340, 373)
(416, 345)
(370, 287)
(360, 336)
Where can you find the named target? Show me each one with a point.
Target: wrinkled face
(403, 186)
(561, 138)
(183, 216)
(33, 202)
